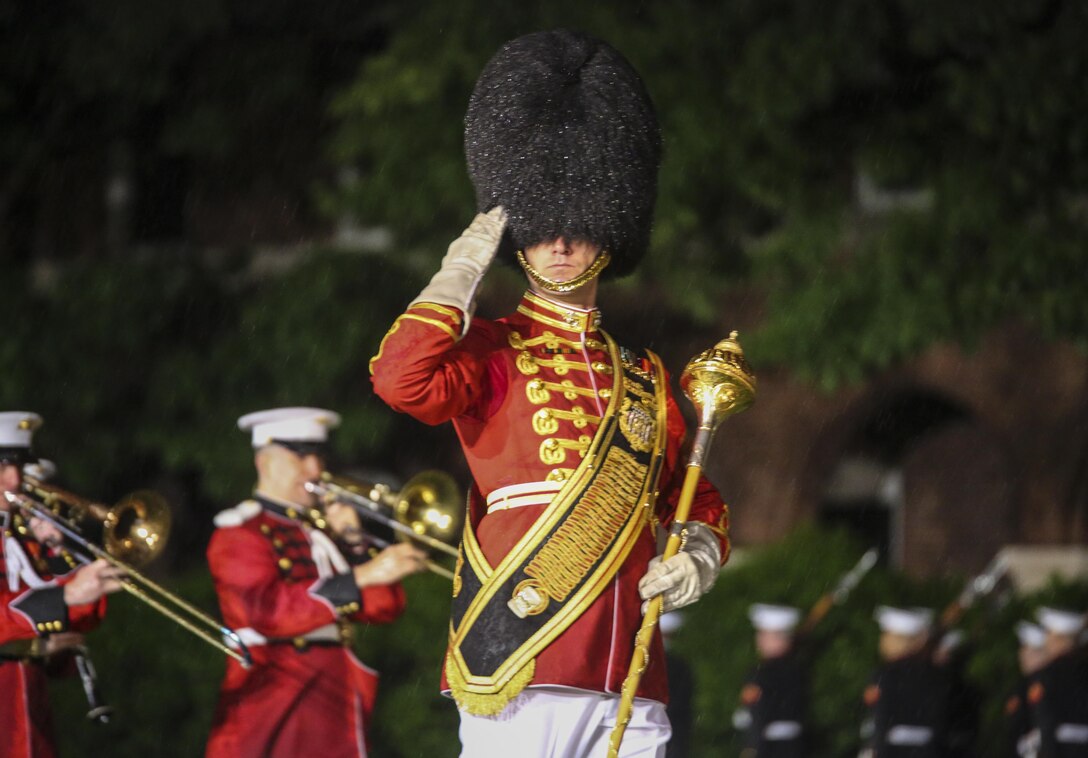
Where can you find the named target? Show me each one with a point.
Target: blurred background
(214, 207)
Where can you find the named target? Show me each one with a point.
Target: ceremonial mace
(718, 383)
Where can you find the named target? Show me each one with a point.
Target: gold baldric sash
(504, 616)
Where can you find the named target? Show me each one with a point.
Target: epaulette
(237, 515)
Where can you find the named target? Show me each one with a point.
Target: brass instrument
(136, 528)
(719, 383)
(428, 509)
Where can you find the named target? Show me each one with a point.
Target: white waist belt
(782, 730)
(251, 637)
(903, 734)
(520, 495)
(1076, 734)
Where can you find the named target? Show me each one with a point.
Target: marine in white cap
(774, 699)
(1021, 736)
(909, 697)
(1057, 693)
(290, 579)
(47, 598)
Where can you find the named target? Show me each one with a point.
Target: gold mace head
(718, 381)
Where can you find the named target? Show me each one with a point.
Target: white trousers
(555, 723)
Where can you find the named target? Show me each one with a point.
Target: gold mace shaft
(719, 383)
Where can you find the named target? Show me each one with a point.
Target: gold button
(277, 543)
(266, 529)
(605, 392)
(602, 368)
(292, 513)
(285, 564)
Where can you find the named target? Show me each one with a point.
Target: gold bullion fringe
(489, 703)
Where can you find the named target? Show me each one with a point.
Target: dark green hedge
(718, 640)
(163, 682)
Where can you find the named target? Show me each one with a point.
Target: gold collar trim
(559, 316)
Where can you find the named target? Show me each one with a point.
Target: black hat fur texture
(561, 132)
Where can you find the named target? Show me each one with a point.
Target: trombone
(135, 528)
(427, 509)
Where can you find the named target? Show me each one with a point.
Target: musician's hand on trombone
(390, 565)
(93, 581)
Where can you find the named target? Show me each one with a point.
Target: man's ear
(260, 460)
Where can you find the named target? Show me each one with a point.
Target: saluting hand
(93, 581)
(465, 263)
(390, 565)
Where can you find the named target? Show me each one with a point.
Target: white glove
(465, 263)
(686, 576)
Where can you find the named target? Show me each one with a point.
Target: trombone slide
(183, 613)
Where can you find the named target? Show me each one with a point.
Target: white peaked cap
(906, 621)
(1060, 620)
(774, 618)
(17, 428)
(289, 425)
(1029, 634)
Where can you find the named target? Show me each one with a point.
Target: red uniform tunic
(31, 606)
(526, 394)
(301, 696)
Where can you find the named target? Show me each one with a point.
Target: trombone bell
(426, 510)
(137, 527)
(134, 530)
(429, 504)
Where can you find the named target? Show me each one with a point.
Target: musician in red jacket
(47, 601)
(574, 442)
(290, 587)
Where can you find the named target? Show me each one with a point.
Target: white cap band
(905, 621)
(774, 618)
(1060, 620)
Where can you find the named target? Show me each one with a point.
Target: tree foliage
(962, 118)
(201, 95)
(140, 370)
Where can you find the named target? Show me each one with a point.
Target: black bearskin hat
(561, 132)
